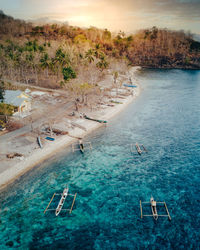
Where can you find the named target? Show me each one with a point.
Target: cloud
(181, 8)
(113, 14)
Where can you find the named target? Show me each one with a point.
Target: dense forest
(51, 55)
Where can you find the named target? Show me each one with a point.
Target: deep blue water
(111, 181)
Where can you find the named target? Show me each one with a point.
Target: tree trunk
(76, 106)
(47, 72)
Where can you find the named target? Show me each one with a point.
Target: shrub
(68, 73)
(6, 109)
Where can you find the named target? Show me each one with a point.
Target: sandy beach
(38, 155)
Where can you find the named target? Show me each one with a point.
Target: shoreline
(40, 155)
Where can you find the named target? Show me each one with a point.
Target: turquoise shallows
(111, 181)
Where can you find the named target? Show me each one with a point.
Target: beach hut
(19, 99)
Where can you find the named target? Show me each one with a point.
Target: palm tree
(45, 63)
(89, 56)
(60, 61)
(32, 64)
(97, 51)
(61, 58)
(102, 64)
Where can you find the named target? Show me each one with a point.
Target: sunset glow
(127, 15)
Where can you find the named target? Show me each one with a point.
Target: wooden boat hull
(138, 149)
(96, 120)
(153, 208)
(50, 138)
(61, 202)
(154, 212)
(39, 142)
(129, 85)
(81, 148)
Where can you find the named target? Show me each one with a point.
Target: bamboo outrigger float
(155, 214)
(145, 150)
(59, 207)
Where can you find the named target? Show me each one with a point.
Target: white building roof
(14, 97)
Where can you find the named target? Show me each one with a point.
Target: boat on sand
(95, 120)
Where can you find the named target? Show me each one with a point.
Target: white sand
(39, 155)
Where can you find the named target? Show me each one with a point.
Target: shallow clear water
(111, 181)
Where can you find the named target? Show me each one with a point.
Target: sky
(115, 15)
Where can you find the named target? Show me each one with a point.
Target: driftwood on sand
(13, 155)
(56, 131)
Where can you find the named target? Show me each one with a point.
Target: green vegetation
(53, 55)
(36, 61)
(6, 109)
(68, 73)
(2, 124)
(194, 46)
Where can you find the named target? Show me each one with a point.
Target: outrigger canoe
(96, 120)
(129, 85)
(81, 147)
(138, 149)
(39, 142)
(50, 138)
(116, 102)
(62, 200)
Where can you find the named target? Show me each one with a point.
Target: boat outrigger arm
(155, 214)
(59, 207)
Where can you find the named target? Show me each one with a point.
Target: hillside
(51, 55)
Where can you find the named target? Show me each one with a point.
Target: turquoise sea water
(111, 181)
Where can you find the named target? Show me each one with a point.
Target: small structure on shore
(153, 205)
(59, 207)
(19, 99)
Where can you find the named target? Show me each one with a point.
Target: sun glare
(83, 20)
